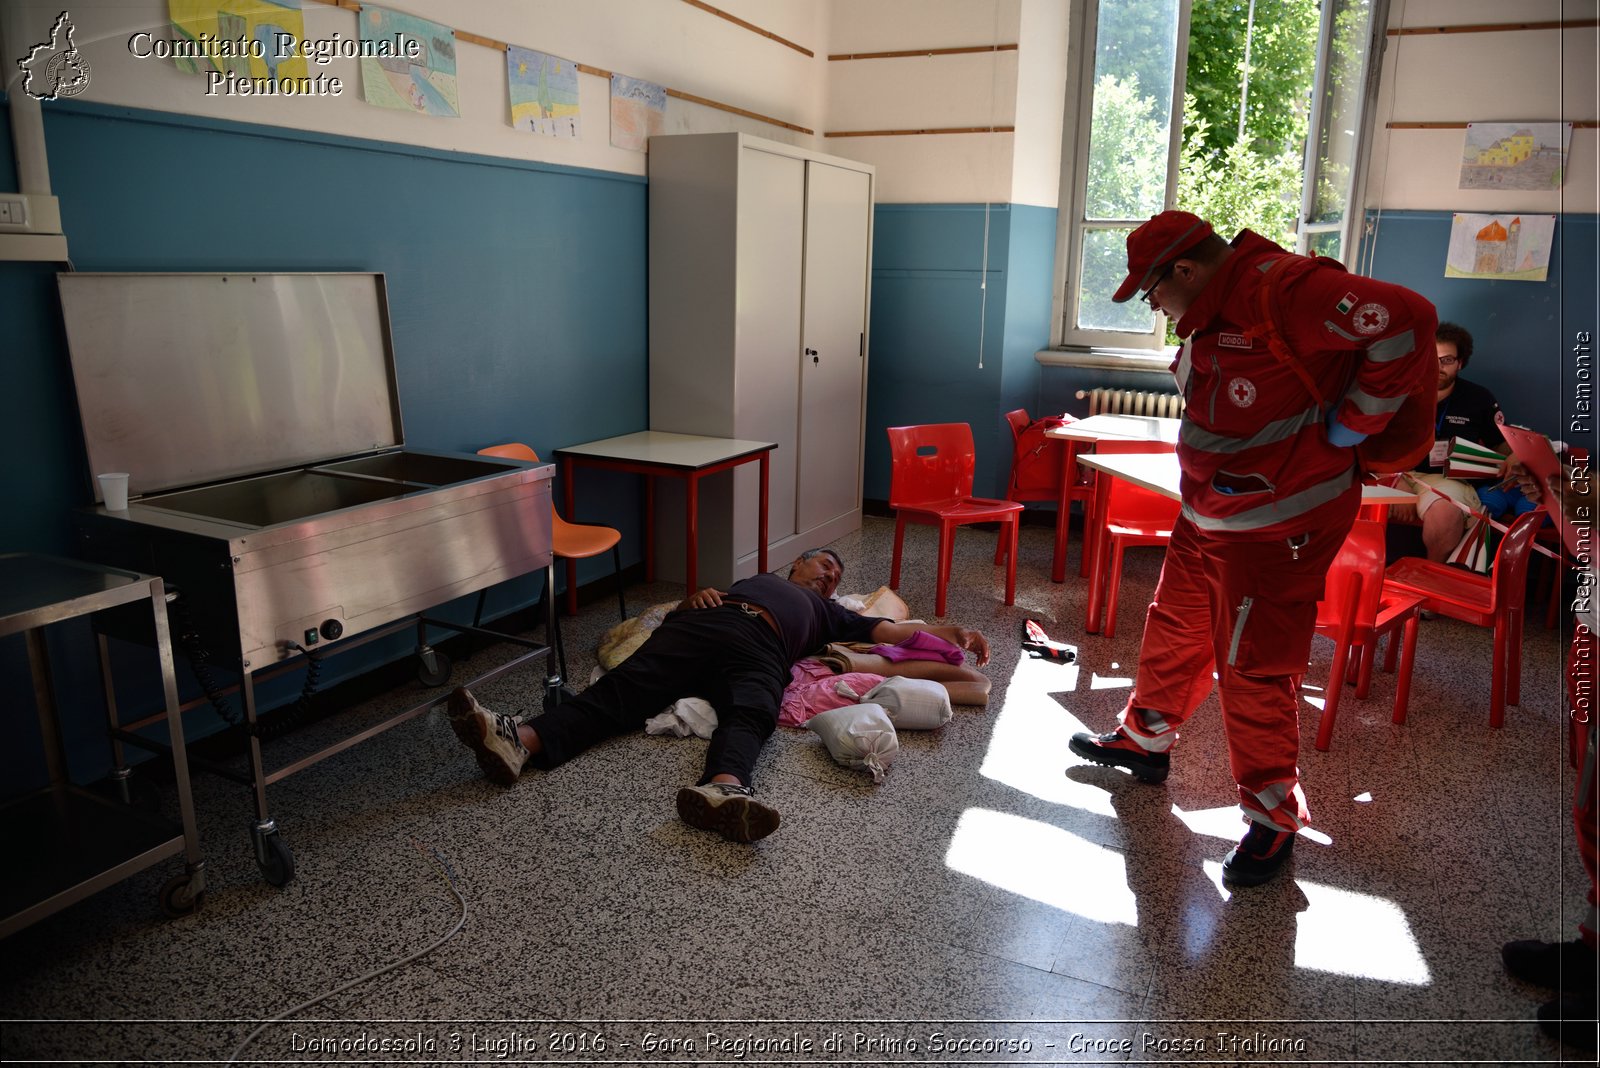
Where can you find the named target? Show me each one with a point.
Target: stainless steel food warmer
(258, 418)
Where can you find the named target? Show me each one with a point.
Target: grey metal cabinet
(760, 257)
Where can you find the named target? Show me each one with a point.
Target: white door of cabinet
(833, 357)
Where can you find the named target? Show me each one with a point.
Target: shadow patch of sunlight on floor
(1226, 823)
(1043, 863)
(1357, 934)
(1028, 745)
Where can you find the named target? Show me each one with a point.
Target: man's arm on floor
(891, 633)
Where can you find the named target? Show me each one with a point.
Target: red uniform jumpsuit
(1267, 501)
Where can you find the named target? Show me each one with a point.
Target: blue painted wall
(517, 297)
(955, 325)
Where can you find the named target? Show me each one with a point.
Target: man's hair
(1457, 335)
(809, 553)
(1210, 250)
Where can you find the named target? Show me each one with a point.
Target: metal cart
(63, 843)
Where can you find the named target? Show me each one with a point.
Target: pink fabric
(922, 646)
(811, 690)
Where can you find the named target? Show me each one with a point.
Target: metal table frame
(35, 592)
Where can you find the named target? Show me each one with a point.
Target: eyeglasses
(1149, 294)
(1449, 361)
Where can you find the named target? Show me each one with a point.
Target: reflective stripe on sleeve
(1371, 405)
(1392, 348)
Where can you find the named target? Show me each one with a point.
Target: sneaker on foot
(730, 810)
(1116, 750)
(1258, 856)
(1568, 965)
(491, 737)
(1570, 1019)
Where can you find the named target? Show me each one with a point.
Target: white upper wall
(1498, 76)
(927, 92)
(665, 41)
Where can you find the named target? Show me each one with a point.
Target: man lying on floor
(735, 650)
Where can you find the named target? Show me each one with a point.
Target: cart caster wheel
(436, 675)
(178, 897)
(278, 867)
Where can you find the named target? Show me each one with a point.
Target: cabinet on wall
(760, 256)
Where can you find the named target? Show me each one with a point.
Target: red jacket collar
(1249, 248)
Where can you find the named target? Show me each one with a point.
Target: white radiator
(1132, 402)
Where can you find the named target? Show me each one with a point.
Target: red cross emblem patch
(1370, 319)
(1242, 392)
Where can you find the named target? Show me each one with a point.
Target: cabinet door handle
(813, 354)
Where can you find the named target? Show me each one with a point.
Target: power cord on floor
(449, 877)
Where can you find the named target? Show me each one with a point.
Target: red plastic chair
(1356, 611)
(1133, 516)
(1495, 600)
(1080, 480)
(930, 482)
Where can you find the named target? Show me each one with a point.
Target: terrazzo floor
(995, 900)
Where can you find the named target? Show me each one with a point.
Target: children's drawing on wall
(544, 92)
(1511, 248)
(270, 29)
(1515, 155)
(638, 112)
(417, 71)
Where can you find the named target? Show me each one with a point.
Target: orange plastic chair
(1495, 600)
(1357, 610)
(1133, 516)
(930, 482)
(572, 541)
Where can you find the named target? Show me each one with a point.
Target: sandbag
(911, 704)
(858, 736)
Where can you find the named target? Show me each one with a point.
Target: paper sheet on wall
(273, 27)
(420, 78)
(638, 112)
(1515, 155)
(544, 92)
(1509, 248)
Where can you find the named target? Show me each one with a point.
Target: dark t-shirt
(1469, 412)
(806, 621)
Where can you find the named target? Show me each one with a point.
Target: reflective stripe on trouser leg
(1176, 655)
(1264, 606)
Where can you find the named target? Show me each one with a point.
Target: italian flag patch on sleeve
(1347, 303)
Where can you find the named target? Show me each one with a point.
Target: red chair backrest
(1018, 422)
(1362, 554)
(1510, 578)
(1128, 505)
(930, 463)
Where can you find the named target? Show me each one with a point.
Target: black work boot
(1116, 750)
(1258, 856)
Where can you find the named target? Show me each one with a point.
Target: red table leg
(1091, 544)
(1069, 473)
(761, 545)
(691, 530)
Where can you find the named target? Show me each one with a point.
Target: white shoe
(728, 809)
(491, 737)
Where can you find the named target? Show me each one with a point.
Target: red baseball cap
(1155, 244)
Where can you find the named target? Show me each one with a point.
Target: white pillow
(858, 736)
(912, 704)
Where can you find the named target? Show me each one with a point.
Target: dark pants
(734, 661)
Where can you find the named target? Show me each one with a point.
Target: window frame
(1071, 226)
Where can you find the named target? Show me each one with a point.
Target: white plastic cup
(114, 490)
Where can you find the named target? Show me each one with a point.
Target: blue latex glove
(1341, 435)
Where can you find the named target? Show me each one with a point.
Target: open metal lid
(185, 379)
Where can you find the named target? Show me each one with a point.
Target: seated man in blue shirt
(735, 650)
